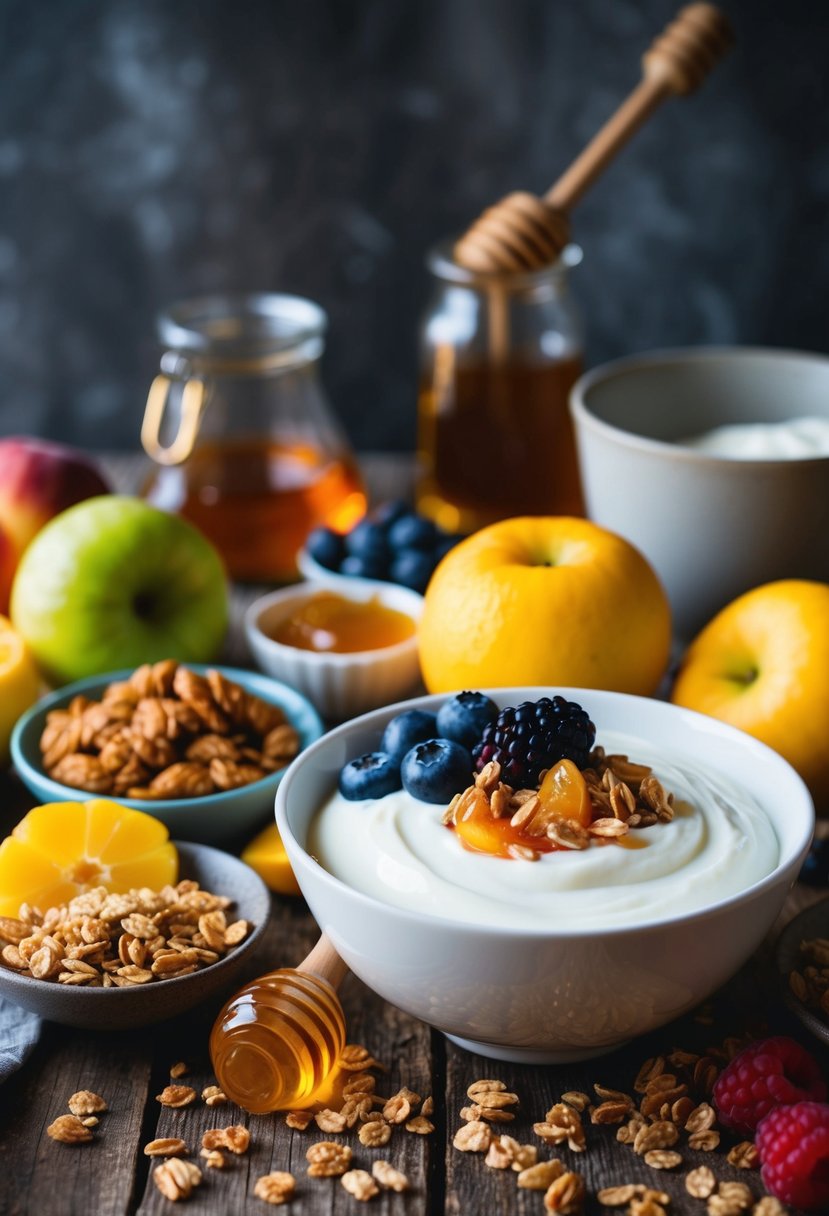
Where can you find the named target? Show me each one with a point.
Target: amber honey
(276, 1043)
(258, 500)
(329, 623)
(496, 440)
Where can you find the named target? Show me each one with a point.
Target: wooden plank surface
(112, 1177)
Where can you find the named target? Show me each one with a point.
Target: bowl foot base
(523, 1055)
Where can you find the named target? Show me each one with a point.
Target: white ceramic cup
(712, 527)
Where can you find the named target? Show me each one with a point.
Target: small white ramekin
(340, 686)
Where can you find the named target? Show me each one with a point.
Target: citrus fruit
(266, 855)
(551, 601)
(762, 664)
(19, 682)
(61, 849)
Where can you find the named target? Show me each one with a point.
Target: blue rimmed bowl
(210, 819)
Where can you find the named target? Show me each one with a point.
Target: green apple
(113, 582)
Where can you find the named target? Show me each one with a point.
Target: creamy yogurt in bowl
(572, 954)
(396, 849)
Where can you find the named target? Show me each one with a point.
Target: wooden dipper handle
(676, 63)
(324, 962)
(524, 232)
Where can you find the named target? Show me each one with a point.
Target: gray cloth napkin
(19, 1033)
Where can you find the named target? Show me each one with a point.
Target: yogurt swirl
(397, 850)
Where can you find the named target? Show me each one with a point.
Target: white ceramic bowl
(712, 526)
(339, 685)
(553, 992)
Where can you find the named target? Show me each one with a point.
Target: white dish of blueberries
(393, 543)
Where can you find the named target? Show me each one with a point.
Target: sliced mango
(266, 855)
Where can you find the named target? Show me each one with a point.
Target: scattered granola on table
(277, 1187)
(167, 732)
(176, 1178)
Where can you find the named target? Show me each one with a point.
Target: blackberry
(532, 736)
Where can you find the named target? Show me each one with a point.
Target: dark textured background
(150, 149)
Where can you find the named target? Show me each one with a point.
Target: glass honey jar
(244, 440)
(499, 356)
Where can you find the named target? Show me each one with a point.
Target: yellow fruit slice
(19, 682)
(266, 855)
(61, 849)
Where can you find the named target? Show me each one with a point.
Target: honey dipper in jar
(502, 342)
(524, 232)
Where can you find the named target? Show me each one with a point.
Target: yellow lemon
(762, 664)
(266, 855)
(19, 682)
(62, 849)
(547, 601)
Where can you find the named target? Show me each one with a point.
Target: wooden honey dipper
(524, 232)
(277, 1040)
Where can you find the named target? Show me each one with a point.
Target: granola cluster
(491, 1103)
(623, 796)
(167, 732)
(102, 940)
(809, 981)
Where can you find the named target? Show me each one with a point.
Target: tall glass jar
(498, 359)
(244, 440)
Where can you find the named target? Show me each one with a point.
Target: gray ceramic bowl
(144, 1004)
(712, 526)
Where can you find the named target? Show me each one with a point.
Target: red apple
(38, 480)
(8, 566)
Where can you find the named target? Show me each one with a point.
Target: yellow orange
(266, 855)
(544, 601)
(763, 664)
(19, 682)
(61, 849)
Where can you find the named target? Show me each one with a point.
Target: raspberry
(793, 1143)
(769, 1073)
(534, 736)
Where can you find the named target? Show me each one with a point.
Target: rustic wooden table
(112, 1177)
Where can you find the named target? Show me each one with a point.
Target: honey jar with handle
(244, 440)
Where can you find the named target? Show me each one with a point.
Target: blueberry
(389, 512)
(406, 729)
(326, 547)
(411, 568)
(463, 717)
(436, 770)
(367, 540)
(363, 567)
(372, 775)
(413, 532)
